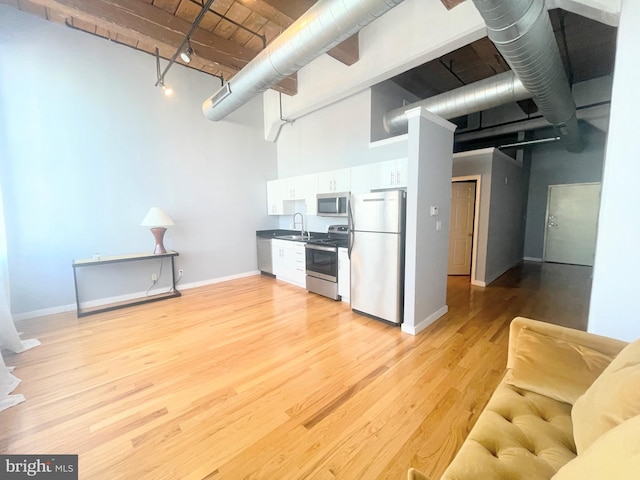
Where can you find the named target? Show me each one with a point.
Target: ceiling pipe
(589, 114)
(491, 92)
(522, 33)
(322, 27)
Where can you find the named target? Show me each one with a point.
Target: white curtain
(9, 337)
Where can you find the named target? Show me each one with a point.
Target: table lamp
(157, 219)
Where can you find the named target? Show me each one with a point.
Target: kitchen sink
(294, 237)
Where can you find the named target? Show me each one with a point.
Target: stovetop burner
(337, 235)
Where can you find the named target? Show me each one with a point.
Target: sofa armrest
(606, 345)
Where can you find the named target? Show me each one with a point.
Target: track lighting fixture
(168, 91)
(185, 55)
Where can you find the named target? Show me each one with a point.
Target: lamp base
(158, 234)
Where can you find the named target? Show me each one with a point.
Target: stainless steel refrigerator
(376, 249)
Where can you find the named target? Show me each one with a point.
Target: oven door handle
(320, 247)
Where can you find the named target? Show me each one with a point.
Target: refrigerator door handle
(351, 234)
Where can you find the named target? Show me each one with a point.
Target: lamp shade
(156, 217)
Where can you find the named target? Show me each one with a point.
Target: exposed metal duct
(522, 32)
(488, 93)
(322, 27)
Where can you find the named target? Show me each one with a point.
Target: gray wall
(478, 163)
(90, 145)
(506, 216)
(551, 164)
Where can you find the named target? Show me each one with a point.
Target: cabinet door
(275, 193)
(326, 182)
(361, 178)
(390, 174)
(284, 261)
(334, 181)
(342, 180)
(344, 275)
(401, 172)
(306, 188)
(277, 259)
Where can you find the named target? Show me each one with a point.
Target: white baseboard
(122, 298)
(17, 317)
(478, 283)
(415, 329)
(186, 286)
(532, 259)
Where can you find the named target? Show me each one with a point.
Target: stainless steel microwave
(332, 204)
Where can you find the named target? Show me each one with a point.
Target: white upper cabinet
(390, 174)
(334, 181)
(286, 196)
(306, 188)
(362, 177)
(275, 194)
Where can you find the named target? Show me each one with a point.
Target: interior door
(572, 221)
(463, 199)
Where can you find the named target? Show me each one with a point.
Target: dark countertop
(279, 232)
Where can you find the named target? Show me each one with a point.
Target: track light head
(185, 55)
(168, 91)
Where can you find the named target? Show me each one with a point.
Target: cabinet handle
(391, 178)
(397, 178)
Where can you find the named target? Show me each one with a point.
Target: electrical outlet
(154, 277)
(180, 272)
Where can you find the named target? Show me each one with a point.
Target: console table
(90, 262)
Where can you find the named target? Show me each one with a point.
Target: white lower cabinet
(289, 261)
(344, 275)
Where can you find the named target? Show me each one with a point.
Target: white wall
(409, 35)
(91, 144)
(613, 310)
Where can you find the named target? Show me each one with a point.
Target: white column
(613, 310)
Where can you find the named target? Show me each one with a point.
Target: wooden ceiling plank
(167, 5)
(285, 12)
(451, 3)
(83, 25)
(33, 8)
(55, 16)
(11, 3)
(152, 25)
(188, 11)
(489, 54)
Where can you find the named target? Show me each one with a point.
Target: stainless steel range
(322, 261)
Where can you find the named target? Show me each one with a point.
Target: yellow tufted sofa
(567, 408)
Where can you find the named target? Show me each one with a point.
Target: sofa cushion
(520, 434)
(615, 454)
(613, 398)
(555, 368)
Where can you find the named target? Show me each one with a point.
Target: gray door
(572, 221)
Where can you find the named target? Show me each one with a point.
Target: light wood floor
(254, 378)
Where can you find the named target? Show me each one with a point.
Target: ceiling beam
(154, 26)
(285, 12)
(451, 3)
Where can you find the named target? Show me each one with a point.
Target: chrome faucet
(301, 224)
